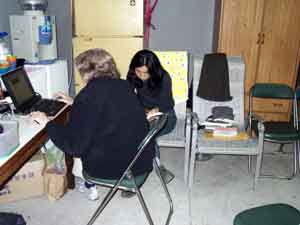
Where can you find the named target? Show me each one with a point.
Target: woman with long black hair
(153, 87)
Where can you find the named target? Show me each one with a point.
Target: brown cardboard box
(28, 182)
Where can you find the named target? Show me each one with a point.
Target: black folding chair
(129, 182)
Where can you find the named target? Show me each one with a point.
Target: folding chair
(129, 182)
(275, 131)
(296, 118)
(272, 214)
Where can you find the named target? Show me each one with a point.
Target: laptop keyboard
(49, 106)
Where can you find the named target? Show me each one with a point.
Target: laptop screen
(18, 87)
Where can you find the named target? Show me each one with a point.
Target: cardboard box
(27, 183)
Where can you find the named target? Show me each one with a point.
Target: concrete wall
(62, 11)
(183, 25)
(7, 8)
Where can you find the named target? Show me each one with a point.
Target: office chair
(274, 131)
(129, 182)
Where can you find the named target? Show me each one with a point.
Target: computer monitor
(19, 87)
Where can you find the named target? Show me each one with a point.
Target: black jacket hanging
(214, 79)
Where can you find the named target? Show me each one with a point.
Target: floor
(222, 189)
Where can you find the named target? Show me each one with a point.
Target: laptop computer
(24, 97)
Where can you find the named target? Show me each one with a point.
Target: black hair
(146, 58)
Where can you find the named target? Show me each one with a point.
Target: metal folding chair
(279, 132)
(129, 182)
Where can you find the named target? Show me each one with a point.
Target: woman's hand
(40, 118)
(63, 97)
(150, 113)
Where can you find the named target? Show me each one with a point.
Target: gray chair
(202, 109)
(129, 182)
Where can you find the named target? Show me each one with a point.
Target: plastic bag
(55, 178)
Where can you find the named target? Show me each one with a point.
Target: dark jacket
(214, 82)
(105, 127)
(161, 98)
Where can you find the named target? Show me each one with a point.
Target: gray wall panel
(183, 25)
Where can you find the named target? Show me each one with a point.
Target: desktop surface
(32, 137)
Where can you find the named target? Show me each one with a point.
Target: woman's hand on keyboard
(63, 97)
(40, 118)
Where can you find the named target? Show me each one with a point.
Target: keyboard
(49, 106)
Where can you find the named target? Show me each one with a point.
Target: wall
(62, 11)
(183, 25)
(7, 8)
(180, 25)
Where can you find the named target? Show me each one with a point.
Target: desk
(32, 137)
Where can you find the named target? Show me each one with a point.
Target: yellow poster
(176, 63)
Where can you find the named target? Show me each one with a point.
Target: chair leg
(280, 150)
(141, 198)
(166, 192)
(289, 177)
(190, 205)
(103, 204)
(258, 166)
(298, 152)
(250, 164)
(295, 155)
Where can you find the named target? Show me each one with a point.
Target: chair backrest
(176, 63)
(297, 93)
(203, 107)
(269, 91)
(157, 124)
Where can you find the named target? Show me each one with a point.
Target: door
(240, 27)
(278, 56)
(109, 17)
(279, 53)
(122, 50)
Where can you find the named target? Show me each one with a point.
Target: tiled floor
(222, 189)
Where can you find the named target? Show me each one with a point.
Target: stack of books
(221, 127)
(225, 132)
